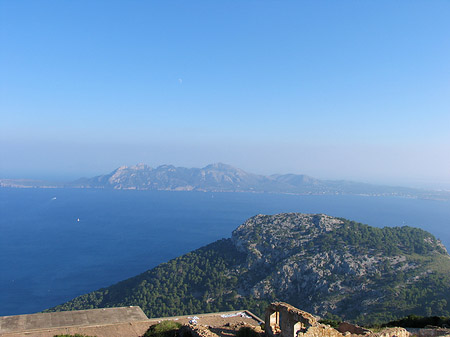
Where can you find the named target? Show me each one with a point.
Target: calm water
(47, 256)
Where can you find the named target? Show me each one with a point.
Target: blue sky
(355, 90)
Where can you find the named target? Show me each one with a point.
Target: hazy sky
(335, 89)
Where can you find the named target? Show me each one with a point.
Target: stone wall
(190, 330)
(353, 329)
(284, 320)
(391, 332)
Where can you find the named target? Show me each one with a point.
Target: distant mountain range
(329, 266)
(225, 178)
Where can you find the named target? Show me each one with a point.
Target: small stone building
(284, 320)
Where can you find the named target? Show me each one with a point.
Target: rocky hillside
(225, 178)
(325, 265)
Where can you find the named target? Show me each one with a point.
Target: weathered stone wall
(391, 332)
(353, 329)
(190, 330)
(321, 330)
(284, 320)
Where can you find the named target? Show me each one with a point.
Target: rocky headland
(329, 266)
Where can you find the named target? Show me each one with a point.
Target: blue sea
(56, 244)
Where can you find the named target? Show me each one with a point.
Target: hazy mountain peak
(166, 167)
(220, 177)
(140, 166)
(220, 166)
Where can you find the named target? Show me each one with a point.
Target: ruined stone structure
(281, 320)
(284, 320)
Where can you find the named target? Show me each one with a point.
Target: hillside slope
(325, 265)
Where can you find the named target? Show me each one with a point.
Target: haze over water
(354, 90)
(48, 256)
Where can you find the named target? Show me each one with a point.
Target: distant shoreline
(431, 196)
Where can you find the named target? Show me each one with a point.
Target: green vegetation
(163, 329)
(388, 240)
(366, 275)
(183, 286)
(413, 321)
(246, 331)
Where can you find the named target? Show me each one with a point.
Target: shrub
(163, 329)
(246, 331)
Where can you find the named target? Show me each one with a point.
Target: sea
(56, 244)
